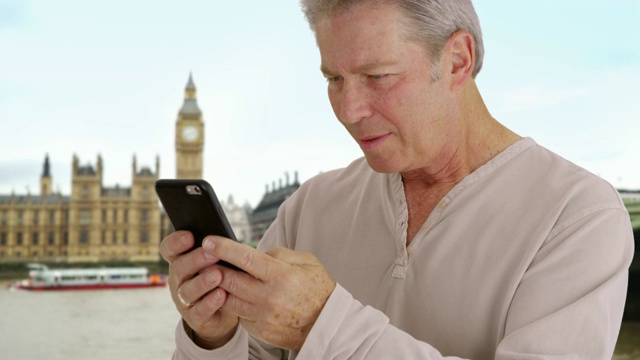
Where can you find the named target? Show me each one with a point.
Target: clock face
(190, 133)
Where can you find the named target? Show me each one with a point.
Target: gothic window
(35, 238)
(84, 237)
(144, 237)
(85, 216)
(18, 238)
(52, 238)
(36, 217)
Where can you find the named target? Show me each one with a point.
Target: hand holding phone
(192, 205)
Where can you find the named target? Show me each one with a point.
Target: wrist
(206, 343)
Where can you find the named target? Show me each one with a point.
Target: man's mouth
(370, 142)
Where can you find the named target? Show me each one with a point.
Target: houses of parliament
(103, 224)
(97, 223)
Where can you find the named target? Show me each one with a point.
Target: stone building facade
(265, 213)
(96, 223)
(93, 224)
(238, 217)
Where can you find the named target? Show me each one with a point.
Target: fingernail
(208, 256)
(210, 277)
(208, 244)
(183, 240)
(217, 295)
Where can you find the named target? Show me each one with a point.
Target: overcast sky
(108, 77)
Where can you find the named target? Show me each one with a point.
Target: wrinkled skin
(277, 299)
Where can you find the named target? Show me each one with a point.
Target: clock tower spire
(189, 135)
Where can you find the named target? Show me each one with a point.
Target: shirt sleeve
(237, 348)
(568, 306)
(186, 349)
(570, 302)
(346, 329)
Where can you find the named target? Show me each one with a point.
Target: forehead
(369, 32)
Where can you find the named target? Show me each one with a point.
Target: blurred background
(105, 86)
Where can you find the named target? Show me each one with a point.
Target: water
(120, 324)
(98, 324)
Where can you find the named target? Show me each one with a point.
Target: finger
(191, 291)
(241, 284)
(243, 309)
(187, 266)
(203, 310)
(254, 262)
(175, 244)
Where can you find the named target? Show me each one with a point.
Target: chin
(383, 165)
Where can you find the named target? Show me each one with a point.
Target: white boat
(43, 278)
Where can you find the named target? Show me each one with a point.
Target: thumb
(292, 257)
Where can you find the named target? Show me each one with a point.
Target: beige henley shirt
(525, 258)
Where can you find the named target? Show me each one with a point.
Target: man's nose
(354, 104)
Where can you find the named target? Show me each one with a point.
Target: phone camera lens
(194, 190)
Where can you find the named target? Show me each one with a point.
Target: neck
(479, 138)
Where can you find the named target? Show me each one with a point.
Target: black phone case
(200, 213)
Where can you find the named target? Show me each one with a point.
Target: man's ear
(460, 49)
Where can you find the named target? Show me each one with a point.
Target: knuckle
(247, 259)
(175, 270)
(276, 252)
(235, 305)
(199, 313)
(180, 269)
(232, 283)
(208, 306)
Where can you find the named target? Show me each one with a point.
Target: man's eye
(378, 76)
(333, 79)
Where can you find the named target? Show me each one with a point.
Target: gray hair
(430, 22)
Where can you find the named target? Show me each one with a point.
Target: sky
(108, 77)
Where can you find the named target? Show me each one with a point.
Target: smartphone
(192, 205)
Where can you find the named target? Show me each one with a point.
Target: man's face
(381, 90)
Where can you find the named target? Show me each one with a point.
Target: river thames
(119, 324)
(104, 324)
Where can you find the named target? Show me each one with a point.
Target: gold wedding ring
(183, 301)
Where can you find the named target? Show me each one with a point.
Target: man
(454, 238)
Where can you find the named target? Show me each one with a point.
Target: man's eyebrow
(326, 72)
(360, 69)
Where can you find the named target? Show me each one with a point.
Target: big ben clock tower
(189, 136)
